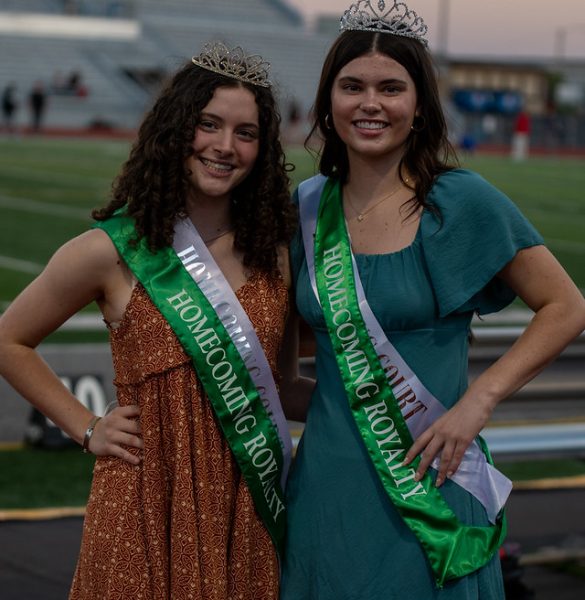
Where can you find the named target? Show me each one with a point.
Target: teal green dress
(345, 539)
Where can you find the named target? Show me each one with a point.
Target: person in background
(9, 107)
(188, 264)
(38, 105)
(521, 136)
(392, 494)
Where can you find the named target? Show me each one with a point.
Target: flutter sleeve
(476, 232)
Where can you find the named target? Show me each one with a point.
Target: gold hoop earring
(421, 126)
(328, 121)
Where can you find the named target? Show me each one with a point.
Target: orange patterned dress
(182, 524)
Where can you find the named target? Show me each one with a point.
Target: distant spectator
(81, 91)
(521, 137)
(38, 105)
(75, 85)
(70, 85)
(9, 107)
(74, 81)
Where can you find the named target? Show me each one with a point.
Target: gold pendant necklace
(361, 215)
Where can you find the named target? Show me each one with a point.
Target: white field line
(24, 266)
(568, 245)
(49, 175)
(44, 208)
(557, 212)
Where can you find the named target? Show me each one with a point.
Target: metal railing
(546, 417)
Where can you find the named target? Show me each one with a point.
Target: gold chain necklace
(361, 215)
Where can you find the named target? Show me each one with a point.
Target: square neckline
(122, 323)
(415, 242)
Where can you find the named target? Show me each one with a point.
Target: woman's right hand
(115, 433)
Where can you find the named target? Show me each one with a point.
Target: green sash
(247, 427)
(453, 549)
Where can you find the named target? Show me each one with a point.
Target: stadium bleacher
(119, 71)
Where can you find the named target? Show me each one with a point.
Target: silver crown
(234, 63)
(397, 20)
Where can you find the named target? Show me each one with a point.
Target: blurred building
(488, 94)
(499, 87)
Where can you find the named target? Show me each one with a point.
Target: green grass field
(48, 186)
(56, 478)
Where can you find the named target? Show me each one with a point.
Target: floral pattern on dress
(182, 524)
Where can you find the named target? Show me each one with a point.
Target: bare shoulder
(84, 267)
(92, 248)
(538, 278)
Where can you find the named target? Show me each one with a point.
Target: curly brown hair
(428, 152)
(152, 185)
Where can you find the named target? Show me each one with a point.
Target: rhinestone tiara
(234, 63)
(398, 19)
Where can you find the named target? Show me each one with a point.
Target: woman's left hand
(449, 437)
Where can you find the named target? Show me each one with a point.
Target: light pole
(443, 29)
(561, 34)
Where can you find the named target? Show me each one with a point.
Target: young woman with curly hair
(188, 264)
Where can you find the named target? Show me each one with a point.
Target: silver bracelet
(88, 434)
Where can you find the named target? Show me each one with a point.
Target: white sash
(418, 406)
(197, 259)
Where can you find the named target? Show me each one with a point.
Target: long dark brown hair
(152, 185)
(428, 151)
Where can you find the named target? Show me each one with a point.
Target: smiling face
(225, 145)
(373, 105)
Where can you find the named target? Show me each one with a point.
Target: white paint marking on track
(24, 266)
(568, 245)
(44, 208)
